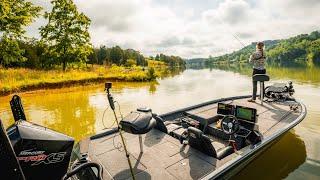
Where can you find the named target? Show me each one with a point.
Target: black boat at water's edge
(212, 140)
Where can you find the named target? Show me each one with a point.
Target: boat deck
(164, 157)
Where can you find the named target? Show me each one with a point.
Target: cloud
(112, 15)
(192, 28)
(229, 11)
(175, 41)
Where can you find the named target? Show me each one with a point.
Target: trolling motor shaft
(108, 86)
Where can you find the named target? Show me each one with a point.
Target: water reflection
(278, 161)
(153, 87)
(70, 113)
(171, 72)
(75, 111)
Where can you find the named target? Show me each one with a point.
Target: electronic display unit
(246, 114)
(225, 109)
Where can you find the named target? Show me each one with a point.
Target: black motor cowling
(41, 152)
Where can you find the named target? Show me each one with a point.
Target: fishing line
(232, 33)
(235, 36)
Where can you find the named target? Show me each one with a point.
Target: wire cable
(119, 109)
(102, 120)
(117, 145)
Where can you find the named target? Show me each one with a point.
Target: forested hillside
(301, 49)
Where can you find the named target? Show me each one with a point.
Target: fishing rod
(246, 50)
(108, 86)
(232, 33)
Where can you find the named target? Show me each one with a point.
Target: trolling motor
(280, 91)
(108, 86)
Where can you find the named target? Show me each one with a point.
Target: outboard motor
(42, 153)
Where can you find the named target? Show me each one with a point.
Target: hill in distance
(300, 49)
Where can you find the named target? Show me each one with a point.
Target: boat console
(232, 124)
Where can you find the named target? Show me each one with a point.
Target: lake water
(78, 111)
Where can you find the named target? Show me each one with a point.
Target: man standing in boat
(258, 60)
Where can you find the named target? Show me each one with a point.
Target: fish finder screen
(245, 113)
(225, 109)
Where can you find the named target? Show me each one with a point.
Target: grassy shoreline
(22, 80)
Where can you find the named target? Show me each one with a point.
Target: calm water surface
(78, 112)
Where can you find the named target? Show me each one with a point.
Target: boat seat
(261, 78)
(202, 143)
(160, 123)
(138, 122)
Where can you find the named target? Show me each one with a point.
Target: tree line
(301, 49)
(170, 60)
(117, 55)
(129, 57)
(65, 39)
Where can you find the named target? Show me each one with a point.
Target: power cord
(117, 145)
(102, 120)
(119, 109)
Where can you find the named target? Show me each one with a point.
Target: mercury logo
(30, 152)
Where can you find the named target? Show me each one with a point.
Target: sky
(189, 28)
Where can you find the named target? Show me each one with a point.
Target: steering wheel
(230, 124)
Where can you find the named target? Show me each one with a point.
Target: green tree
(67, 33)
(116, 55)
(14, 16)
(33, 52)
(157, 57)
(102, 54)
(93, 59)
